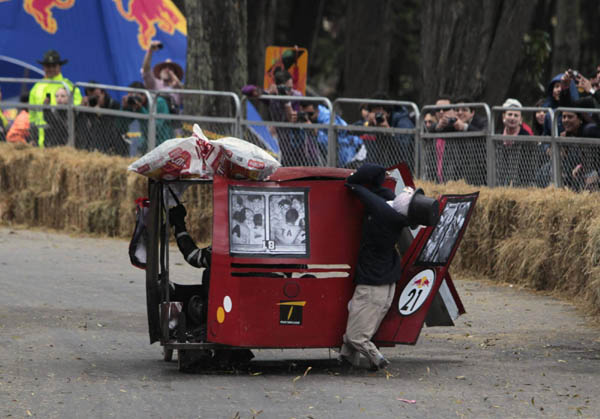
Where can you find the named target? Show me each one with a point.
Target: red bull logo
(41, 10)
(420, 283)
(148, 13)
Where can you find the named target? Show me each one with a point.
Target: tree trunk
(216, 53)
(261, 29)
(367, 48)
(471, 48)
(590, 33)
(567, 36)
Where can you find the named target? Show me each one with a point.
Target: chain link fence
(295, 129)
(388, 139)
(447, 154)
(311, 131)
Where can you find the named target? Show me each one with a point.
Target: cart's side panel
(286, 300)
(152, 266)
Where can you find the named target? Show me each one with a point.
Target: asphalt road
(74, 343)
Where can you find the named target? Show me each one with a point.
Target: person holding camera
(351, 150)
(166, 75)
(589, 98)
(138, 102)
(385, 148)
(291, 140)
(96, 131)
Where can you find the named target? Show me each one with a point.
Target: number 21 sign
(416, 292)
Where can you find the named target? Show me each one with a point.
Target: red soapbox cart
(282, 279)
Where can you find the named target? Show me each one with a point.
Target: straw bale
(546, 239)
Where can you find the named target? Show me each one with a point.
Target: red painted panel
(262, 311)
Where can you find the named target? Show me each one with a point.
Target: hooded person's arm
(372, 176)
(378, 208)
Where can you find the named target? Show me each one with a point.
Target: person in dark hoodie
(553, 101)
(385, 223)
(590, 99)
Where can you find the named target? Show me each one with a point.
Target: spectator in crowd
(51, 63)
(363, 109)
(470, 152)
(445, 118)
(19, 130)
(164, 76)
(96, 131)
(542, 152)
(57, 133)
(538, 119)
(292, 141)
(553, 101)
(429, 121)
(590, 99)
(390, 149)
(513, 170)
(138, 102)
(350, 147)
(579, 163)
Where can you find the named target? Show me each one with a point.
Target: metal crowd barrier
(458, 155)
(228, 125)
(386, 146)
(480, 157)
(299, 143)
(41, 108)
(108, 128)
(568, 152)
(517, 160)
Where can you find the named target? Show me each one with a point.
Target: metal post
(237, 129)
(71, 120)
(556, 164)
(418, 145)
(152, 121)
(332, 143)
(490, 151)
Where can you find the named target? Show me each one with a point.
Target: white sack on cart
(199, 157)
(236, 158)
(174, 159)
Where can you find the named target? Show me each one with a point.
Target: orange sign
(292, 59)
(148, 13)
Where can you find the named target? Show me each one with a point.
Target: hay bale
(546, 239)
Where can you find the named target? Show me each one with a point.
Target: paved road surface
(73, 343)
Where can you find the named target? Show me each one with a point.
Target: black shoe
(380, 364)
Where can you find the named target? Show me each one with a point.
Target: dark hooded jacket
(552, 103)
(378, 260)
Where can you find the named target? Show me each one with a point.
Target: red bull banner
(103, 40)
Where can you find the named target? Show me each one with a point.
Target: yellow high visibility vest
(37, 95)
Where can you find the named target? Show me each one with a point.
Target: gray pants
(367, 308)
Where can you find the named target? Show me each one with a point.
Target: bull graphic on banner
(147, 14)
(41, 10)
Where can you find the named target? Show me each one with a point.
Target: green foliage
(536, 52)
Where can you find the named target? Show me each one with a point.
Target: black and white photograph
(271, 221)
(443, 239)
